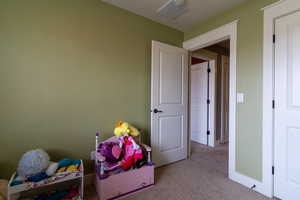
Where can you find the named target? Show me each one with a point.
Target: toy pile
(124, 154)
(35, 166)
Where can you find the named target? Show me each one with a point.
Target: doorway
(209, 103)
(228, 31)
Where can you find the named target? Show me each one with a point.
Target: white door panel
(199, 94)
(171, 69)
(198, 102)
(169, 97)
(287, 111)
(171, 126)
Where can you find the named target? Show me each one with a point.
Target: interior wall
(249, 80)
(68, 68)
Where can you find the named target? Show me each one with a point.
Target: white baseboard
(249, 182)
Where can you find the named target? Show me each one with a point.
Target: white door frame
(228, 31)
(271, 13)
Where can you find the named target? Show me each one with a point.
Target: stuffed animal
(132, 151)
(52, 168)
(111, 151)
(122, 128)
(33, 162)
(3, 189)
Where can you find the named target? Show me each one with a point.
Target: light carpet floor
(202, 177)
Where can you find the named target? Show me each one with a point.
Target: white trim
(210, 38)
(228, 31)
(248, 182)
(272, 5)
(271, 13)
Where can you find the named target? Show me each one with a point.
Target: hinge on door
(273, 104)
(208, 70)
(273, 170)
(274, 38)
(208, 101)
(208, 132)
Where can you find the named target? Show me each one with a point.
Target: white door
(225, 100)
(169, 98)
(287, 108)
(203, 112)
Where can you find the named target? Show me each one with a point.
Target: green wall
(249, 80)
(67, 68)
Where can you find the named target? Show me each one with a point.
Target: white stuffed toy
(32, 162)
(52, 168)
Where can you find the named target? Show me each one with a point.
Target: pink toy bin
(111, 186)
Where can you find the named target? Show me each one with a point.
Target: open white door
(202, 108)
(287, 108)
(169, 99)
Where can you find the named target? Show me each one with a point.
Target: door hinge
(274, 38)
(273, 104)
(208, 101)
(273, 170)
(208, 132)
(208, 70)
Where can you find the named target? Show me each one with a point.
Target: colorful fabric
(38, 177)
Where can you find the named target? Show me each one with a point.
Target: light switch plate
(240, 98)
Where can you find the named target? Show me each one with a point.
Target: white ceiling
(198, 10)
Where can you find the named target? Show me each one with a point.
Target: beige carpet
(202, 177)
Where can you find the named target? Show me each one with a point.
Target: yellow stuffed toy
(122, 128)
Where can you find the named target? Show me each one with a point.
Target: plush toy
(33, 162)
(3, 189)
(52, 168)
(132, 151)
(111, 151)
(122, 128)
(124, 154)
